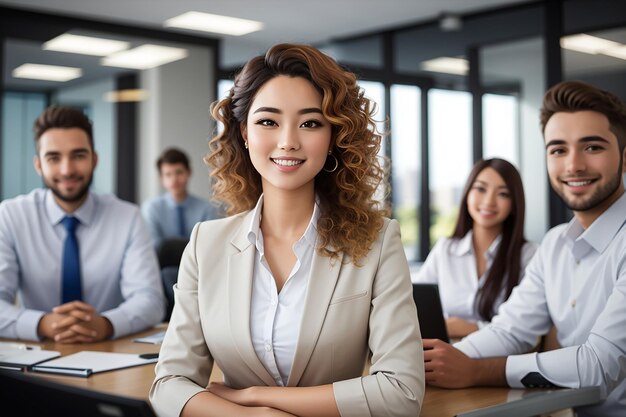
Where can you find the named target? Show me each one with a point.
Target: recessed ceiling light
(214, 23)
(457, 66)
(86, 45)
(617, 52)
(144, 57)
(128, 95)
(587, 44)
(46, 72)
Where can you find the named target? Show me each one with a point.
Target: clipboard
(22, 359)
(86, 363)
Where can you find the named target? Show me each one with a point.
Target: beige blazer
(349, 311)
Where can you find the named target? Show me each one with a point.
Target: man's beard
(77, 196)
(599, 196)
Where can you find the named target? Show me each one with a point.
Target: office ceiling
(311, 21)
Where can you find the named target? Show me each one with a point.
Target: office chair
(169, 253)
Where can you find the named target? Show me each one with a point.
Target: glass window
(366, 52)
(405, 163)
(223, 87)
(19, 111)
(138, 108)
(375, 91)
(511, 119)
(450, 148)
(500, 127)
(597, 58)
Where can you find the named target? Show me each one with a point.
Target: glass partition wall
(450, 102)
(462, 88)
(144, 91)
(451, 91)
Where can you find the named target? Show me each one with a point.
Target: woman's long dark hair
(504, 273)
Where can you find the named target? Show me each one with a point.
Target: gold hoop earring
(336, 163)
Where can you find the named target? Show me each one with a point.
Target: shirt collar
(84, 213)
(310, 234)
(600, 233)
(173, 203)
(465, 245)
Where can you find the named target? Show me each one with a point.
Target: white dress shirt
(275, 317)
(577, 280)
(161, 217)
(452, 265)
(119, 270)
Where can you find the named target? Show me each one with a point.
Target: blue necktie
(71, 263)
(180, 213)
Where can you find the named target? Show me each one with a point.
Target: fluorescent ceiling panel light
(214, 23)
(144, 57)
(85, 45)
(587, 44)
(457, 66)
(125, 95)
(46, 72)
(617, 52)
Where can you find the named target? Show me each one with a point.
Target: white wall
(176, 113)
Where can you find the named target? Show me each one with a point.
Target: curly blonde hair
(350, 217)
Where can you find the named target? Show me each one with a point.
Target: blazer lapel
(240, 272)
(322, 281)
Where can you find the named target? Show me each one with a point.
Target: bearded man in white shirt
(82, 263)
(577, 279)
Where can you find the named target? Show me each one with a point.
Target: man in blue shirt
(174, 213)
(577, 279)
(82, 263)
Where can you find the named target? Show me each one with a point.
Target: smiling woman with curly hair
(306, 278)
(350, 216)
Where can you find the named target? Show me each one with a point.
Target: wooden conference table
(135, 382)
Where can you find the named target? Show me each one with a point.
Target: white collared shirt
(452, 265)
(161, 217)
(119, 269)
(275, 317)
(577, 280)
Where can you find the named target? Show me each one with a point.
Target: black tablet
(429, 312)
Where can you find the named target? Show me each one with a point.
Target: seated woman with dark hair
(478, 266)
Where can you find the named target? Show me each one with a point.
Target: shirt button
(573, 303)
(268, 347)
(273, 302)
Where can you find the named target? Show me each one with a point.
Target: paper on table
(87, 362)
(153, 339)
(20, 359)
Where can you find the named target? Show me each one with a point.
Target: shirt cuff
(27, 323)
(120, 323)
(518, 366)
(557, 367)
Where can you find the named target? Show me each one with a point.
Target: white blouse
(452, 265)
(275, 317)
